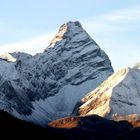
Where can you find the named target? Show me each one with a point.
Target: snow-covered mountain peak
(69, 32)
(48, 85)
(21, 56)
(8, 57)
(137, 65)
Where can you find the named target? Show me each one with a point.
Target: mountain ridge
(118, 95)
(48, 85)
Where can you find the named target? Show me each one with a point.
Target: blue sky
(29, 25)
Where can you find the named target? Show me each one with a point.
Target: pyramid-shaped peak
(71, 24)
(67, 31)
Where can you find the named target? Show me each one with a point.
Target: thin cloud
(32, 46)
(113, 21)
(125, 15)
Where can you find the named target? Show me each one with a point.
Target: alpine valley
(70, 90)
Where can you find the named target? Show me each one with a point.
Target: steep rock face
(47, 86)
(118, 95)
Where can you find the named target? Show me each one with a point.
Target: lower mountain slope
(94, 128)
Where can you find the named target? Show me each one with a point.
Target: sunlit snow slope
(119, 95)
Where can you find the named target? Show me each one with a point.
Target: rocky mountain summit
(48, 85)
